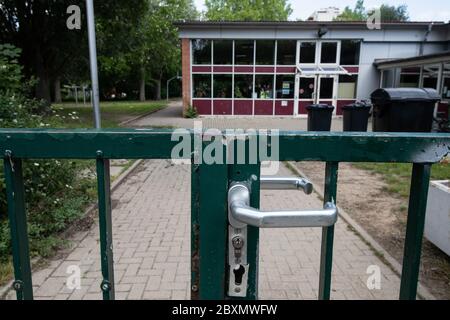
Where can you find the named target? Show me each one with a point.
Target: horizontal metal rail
(159, 144)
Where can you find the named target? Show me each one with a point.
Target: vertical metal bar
(18, 225)
(209, 230)
(414, 230)
(326, 256)
(195, 230)
(106, 241)
(93, 61)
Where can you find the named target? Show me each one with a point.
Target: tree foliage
(388, 13)
(356, 14)
(247, 10)
(135, 40)
(49, 49)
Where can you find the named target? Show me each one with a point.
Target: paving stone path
(151, 228)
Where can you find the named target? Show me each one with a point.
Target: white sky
(419, 10)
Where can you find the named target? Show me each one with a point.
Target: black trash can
(403, 109)
(319, 117)
(356, 116)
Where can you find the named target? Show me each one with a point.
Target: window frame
(295, 56)
(273, 64)
(359, 53)
(213, 63)
(299, 45)
(254, 53)
(193, 53)
(338, 53)
(210, 86)
(213, 75)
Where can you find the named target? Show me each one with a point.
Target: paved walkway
(171, 117)
(151, 231)
(151, 228)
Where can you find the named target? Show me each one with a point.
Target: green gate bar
(209, 192)
(105, 225)
(18, 225)
(326, 254)
(414, 231)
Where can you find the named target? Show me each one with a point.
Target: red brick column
(186, 71)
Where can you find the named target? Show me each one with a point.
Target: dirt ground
(362, 195)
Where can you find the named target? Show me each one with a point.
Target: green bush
(191, 112)
(54, 191)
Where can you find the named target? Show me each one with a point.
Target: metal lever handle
(283, 183)
(240, 214)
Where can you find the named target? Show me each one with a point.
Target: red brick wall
(186, 71)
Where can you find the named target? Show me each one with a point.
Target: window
(329, 52)
(347, 86)
(430, 76)
(201, 85)
(326, 88)
(264, 86)
(285, 86)
(243, 86)
(307, 88)
(243, 52)
(201, 51)
(308, 52)
(222, 85)
(286, 51)
(265, 52)
(409, 77)
(223, 52)
(350, 52)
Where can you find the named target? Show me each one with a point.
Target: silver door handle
(240, 214)
(283, 183)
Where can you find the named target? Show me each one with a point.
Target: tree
(156, 46)
(48, 47)
(388, 13)
(247, 10)
(394, 14)
(356, 14)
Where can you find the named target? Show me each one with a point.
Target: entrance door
(306, 93)
(327, 89)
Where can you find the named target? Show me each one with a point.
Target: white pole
(93, 61)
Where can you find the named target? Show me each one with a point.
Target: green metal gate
(211, 185)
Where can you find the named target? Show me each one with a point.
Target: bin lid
(405, 94)
(356, 105)
(321, 106)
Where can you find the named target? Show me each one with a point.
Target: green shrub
(191, 112)
(55, 193)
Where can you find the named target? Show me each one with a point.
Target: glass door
(327, 89)
(306, 93)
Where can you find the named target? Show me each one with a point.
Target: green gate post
(209, 236)
(105, 224)
(326, 256)
(18, 225)
(414, 230)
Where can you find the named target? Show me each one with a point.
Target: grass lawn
(398, 175)
(112, 113)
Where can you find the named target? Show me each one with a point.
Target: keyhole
(238, 273)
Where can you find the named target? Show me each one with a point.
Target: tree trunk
(158, 89)
(57, 87)
(142, 85)
(43, 85)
